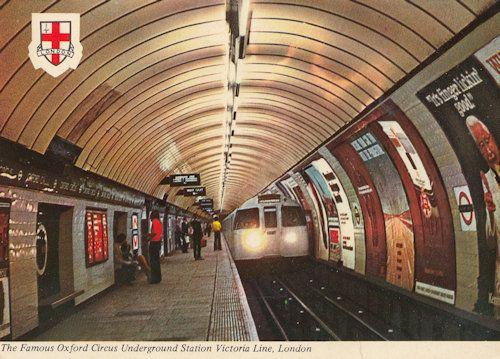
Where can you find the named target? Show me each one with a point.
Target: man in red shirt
(154, 247)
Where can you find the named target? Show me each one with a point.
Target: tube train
(267, 225)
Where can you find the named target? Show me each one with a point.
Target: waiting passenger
(217, 227)
(184, 236)
(124, 268)
(196, 236)
(154, 247)
(177, 236)
(209, 229)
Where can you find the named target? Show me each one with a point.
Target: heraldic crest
(55, 42)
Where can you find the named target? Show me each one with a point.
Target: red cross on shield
(55, 41)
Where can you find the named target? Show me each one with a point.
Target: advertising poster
(464, 101)
(337, 192)
(135, 231)
(369, 213)
(97, 237)
(397, 218)
(434, 238)
(330, 214)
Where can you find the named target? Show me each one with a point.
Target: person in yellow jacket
(217, 227)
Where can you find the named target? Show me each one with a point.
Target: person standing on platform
(217, 227)
(184, 236)
(178, 235)
(209, 229)
(197, 235)
(154, 247)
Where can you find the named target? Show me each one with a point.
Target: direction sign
(177, 180)
(194, 191)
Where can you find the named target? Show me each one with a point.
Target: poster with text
(397, 217)
(347, 242)
(464, 101)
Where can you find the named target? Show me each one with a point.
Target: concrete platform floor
(196, 300)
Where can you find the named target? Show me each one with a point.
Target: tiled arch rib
(149, 96)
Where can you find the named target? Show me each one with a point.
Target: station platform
(196, 300)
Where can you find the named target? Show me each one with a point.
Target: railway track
(296, 315)
(292, 318)
(295, 299)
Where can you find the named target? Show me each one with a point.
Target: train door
(271, 230)
(4, 269)
(54, 253)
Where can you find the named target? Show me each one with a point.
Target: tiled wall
(23, 274)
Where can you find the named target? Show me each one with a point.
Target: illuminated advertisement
(397, 217)
(4, 270)
(337, 193)
(96, 223)
(464, 101)
(135, 231)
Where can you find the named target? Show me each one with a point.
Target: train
(267, 225)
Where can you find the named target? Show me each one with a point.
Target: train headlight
(253, 240)
(291, 238)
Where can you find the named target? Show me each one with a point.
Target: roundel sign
(465, 208)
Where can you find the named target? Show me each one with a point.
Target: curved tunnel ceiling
(150, 95)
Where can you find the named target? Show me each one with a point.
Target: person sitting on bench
(125, 267)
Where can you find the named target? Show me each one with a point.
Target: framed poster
(96, 233)
(395, 207)
(135, 231)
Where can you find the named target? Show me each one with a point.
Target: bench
(54, 302)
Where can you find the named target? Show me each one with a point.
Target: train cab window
(270, 219)
(247, 218)
(292, 217)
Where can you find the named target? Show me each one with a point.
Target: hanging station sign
(178, 180)
(205, 202)
(194, 191)
(206, 205)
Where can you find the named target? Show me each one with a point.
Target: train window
(247, 218)
(292, 217)
(270, 219)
